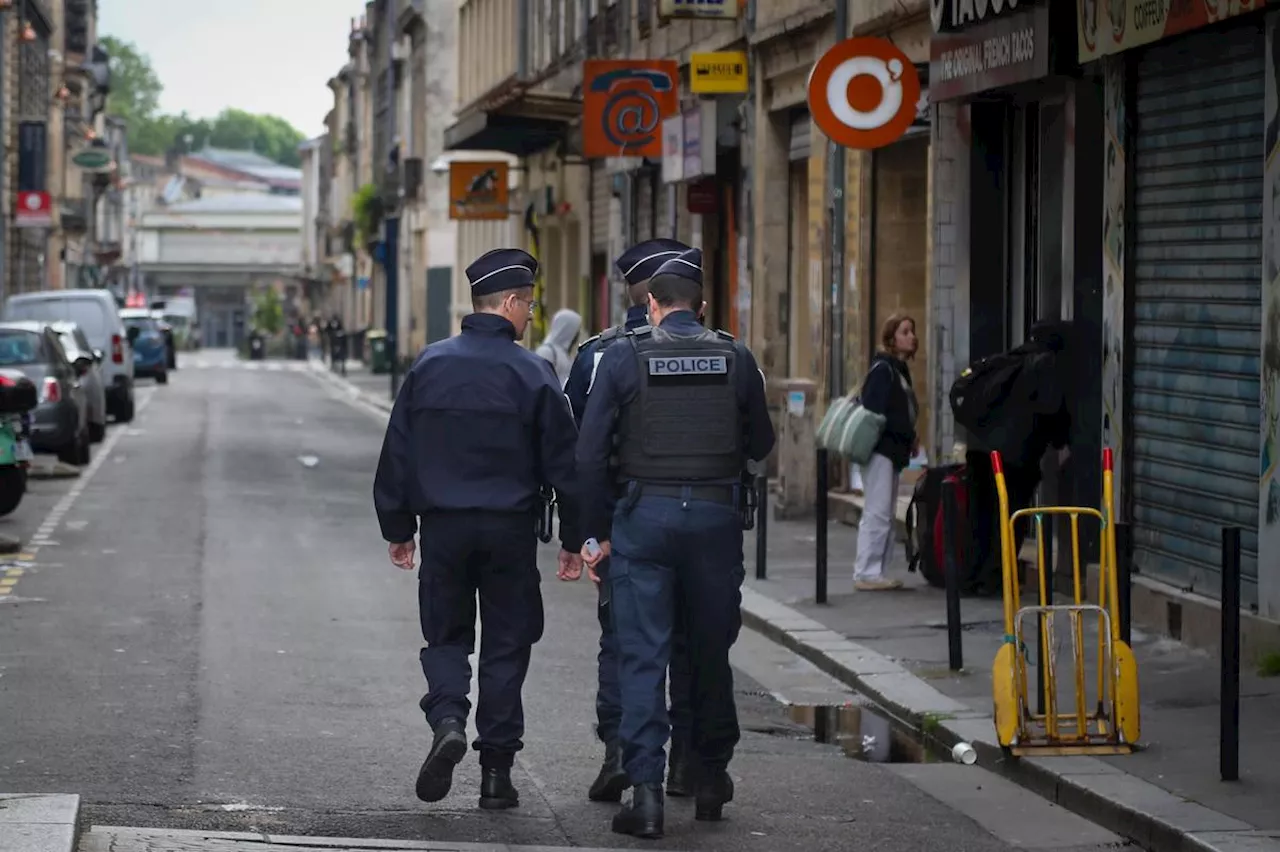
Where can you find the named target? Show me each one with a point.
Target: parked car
(18, 398)
(150, 353)
(96, 313)
(60, 422)
(76, 345)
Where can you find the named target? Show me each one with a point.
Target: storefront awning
(539, 123)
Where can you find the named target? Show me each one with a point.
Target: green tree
(135, 88)
(269, 135)
(268, 312)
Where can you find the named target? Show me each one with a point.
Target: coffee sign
(952, 15)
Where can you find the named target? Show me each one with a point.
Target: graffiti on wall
(1113, 248)
(1269, 474)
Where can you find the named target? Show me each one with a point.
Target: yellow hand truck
(1113, 726)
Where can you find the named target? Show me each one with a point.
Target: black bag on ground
(925, 539)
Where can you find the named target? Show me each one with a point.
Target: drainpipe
(835, 370)
(522, 40)
(4, 172)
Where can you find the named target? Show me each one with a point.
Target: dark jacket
(887, 390)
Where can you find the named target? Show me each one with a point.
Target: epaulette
(590, 340)
(610, 334)
(641, 331)
(724, 335)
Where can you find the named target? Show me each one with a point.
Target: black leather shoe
(447, 749)
(612, 780)
(496, 790)
(643, 817)
(715, 790)
(678, 772)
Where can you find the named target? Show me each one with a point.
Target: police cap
(639, 263)
(687, 265)
(501, 269)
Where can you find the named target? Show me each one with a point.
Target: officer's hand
(593, 559)
(402, 554)
(570, 566)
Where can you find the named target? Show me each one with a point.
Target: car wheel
(162, 377)
(97, 432)
(13, 484)
(124, 413)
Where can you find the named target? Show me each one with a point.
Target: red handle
(1107, 460)
(997, 466)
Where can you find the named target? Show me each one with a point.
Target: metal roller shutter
(1197, 264)
(601, 194)
(643, 206)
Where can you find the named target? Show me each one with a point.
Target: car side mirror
(82, 365)
(98, 356)
(133, 333)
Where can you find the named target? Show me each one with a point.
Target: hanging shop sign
(1105, 28)
(33, 210)
(722, 73)
(700, 140)
(623, 104)
(93, 159)
(722, 9)
(1003, 52)
(673, 149)
(863, 93)
(479, 190)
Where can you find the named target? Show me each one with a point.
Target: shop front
(1190, 101)
(1018, 139)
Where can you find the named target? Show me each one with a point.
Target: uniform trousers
(490, 557)
(674, 554)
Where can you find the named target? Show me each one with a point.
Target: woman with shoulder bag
(886, 391)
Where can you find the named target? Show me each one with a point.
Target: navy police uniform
(479, 425)
(687, 406)
(636, 266)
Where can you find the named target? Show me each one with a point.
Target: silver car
(58, 424)
(77, 347)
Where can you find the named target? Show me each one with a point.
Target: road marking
(64, 504)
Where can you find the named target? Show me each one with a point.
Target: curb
(1133, 808)
(39, 823)
(319, 369)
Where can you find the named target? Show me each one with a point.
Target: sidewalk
(893, 647)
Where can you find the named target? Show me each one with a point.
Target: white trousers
(875, 530)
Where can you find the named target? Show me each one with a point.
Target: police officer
(636, 267)
(478, 426)
(688, 408)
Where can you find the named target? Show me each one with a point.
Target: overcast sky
(264, 56)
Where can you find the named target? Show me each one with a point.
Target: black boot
(643, 817)
(496, 790)
(715, 790)
(447, 748)
(678, 771)
(612, 780)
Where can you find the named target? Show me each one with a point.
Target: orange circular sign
(863, 93)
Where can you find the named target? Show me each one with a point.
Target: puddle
(860, 732)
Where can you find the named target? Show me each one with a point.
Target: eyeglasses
(532, 303)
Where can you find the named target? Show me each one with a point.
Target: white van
(96, 313)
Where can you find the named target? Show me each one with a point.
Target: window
(20, 347)
(142, 324)
(90, 315)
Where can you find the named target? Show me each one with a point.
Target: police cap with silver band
(639, 263)
(501, 269)
(687, 265)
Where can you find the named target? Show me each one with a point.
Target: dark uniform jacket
(616, 386)
(583, 372)
(479, 425)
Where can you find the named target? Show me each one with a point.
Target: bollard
(1229, 697)
(762, 526)
(820, 572)
(1045, 527)
(951, 565)
(1124, 581)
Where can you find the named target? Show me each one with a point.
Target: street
(211, 637)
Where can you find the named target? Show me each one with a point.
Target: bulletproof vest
(684, 424)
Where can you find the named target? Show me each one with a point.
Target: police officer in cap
(478, 427)
(688, 408)
(636, 266)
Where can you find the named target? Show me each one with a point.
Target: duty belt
(716, 493)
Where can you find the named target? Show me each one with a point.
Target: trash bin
(257, 347)
(379, 352)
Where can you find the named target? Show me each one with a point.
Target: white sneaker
(877, 584)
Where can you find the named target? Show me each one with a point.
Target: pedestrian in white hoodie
(558, 347)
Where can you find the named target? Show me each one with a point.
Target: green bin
(379, 352)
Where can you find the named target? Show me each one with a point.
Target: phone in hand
(592, 547)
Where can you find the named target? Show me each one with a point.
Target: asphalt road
(213, 638)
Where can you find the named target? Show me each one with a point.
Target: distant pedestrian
(561, 339)
(479, 426)
(886, 390)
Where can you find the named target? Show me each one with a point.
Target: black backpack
(925, 544)
(982, 387)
